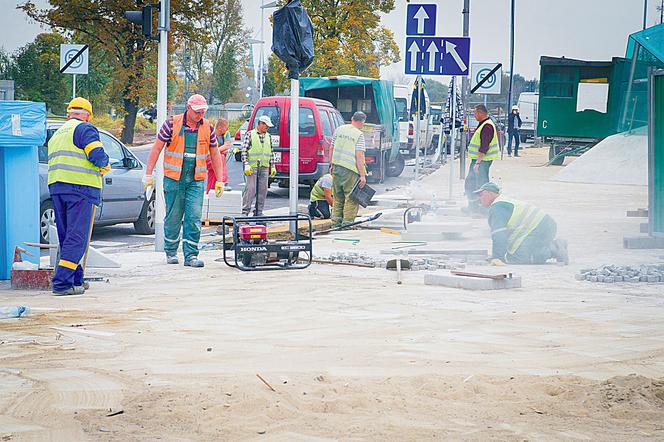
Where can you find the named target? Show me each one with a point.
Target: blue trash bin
(22, 131)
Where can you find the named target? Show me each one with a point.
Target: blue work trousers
(514, 133)
(184, 201)
(475, 180)
(73, 218)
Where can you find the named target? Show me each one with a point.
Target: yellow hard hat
(80, 103)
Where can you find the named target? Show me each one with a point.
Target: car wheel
(144, 225)
(395, 168)
(46, 218)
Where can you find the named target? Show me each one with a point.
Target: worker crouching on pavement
(321, 198)
(521, 233)
(76, 164)
(348, 167)
(257, 159)
(189, 139)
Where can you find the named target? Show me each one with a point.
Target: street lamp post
(264, 6)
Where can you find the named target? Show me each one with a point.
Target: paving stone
(593, 278)
(653, 278)
(609, 279)
(470, 283)
(580, 277)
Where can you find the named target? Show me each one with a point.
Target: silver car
(123, 196)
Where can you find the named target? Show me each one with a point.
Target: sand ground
(351, 355)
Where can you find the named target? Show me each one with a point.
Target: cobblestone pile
(381, 262)
(611, 274)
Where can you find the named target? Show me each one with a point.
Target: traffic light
(143, 18)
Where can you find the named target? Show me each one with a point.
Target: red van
(318, 120)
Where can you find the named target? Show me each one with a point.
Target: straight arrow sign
(433, 51)
(413, 50)
(421, 16)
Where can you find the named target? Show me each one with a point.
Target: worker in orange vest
(188, 139)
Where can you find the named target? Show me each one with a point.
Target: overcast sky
(586, 29)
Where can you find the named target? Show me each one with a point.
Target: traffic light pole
(162, 91)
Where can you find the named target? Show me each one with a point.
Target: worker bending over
(521, 233)
(321, 199)
(76, 164)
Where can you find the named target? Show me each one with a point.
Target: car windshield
(273, 113)
(402, 108)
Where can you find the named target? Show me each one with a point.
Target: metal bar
(418, 83)
(294, 152)
(464, 95)
(453, 137)
(162, 97)
(509, 95)
(632, 71)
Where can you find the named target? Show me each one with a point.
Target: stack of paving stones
(610, 274)
(381, 262)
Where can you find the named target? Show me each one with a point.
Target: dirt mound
(618, 159)
(633, 391)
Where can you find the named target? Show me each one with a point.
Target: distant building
(6, 89)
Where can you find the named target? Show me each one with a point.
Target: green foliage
(36, 72)
(437, 91)
(6, 65)
(348, 39)
(129, 56)
(226, 75)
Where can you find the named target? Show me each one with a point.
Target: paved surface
(121, 235)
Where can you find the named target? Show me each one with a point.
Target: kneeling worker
(521, 233)
(321, 199)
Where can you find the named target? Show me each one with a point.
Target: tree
(348, 39)
(36, 73)
(437, 91)
(6, 65)
(132, 58)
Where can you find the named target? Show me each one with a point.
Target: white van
(402, 103)
(528, 102)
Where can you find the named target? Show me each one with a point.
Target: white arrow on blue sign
(437, 55)
(421, 19)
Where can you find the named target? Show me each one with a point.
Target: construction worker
(521, 233)
(348, 168)
(76, 164)
(321, 197)
(513, 127)
(482, 150)
(257, 148)
(188, 138)
(223, 144)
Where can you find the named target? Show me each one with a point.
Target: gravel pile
(381, 262)
(610, 274)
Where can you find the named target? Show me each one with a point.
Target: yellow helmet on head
(80, 103)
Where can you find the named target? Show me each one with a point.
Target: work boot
(227, 187)
(194, 262)
(172, 259)
(66, 292)
(80, 289)
(559, 251)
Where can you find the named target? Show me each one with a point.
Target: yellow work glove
(273, 171)
(148, 181)
(218, 189)
(104, 170)
(496, 262)
(247, 170)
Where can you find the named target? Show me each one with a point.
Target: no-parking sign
(493, 84)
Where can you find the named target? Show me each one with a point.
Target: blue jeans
(517, 139)
(319, 209)
(184, 201)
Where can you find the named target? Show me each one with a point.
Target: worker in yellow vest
(321, 198)
(521, 232)
(76, 164)
(348, 168)
(482, 150)
(256, 154)
(188, 139)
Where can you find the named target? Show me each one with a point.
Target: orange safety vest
(174, 152)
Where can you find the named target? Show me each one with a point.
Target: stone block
(643, 242)
(653, 278)
(593, 278)
(580, 277)
(470, 283)
(609, 279)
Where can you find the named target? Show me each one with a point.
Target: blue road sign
(437, 55)
(421, 19)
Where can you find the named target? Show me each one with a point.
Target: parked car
(238, 140)
(123, 196)
(318, 120)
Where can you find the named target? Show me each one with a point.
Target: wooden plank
(478, 275)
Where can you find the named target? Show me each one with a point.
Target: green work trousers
(345, 208)
(184, 201)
